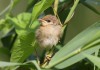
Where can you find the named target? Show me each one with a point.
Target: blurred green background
(83, 16)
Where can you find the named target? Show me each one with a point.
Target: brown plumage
(48, 34)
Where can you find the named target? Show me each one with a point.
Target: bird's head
(49, 20)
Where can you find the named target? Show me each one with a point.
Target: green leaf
(6, 64)
(5, 27)
(25, 43)
(29, 63)
(34, 63)
(76, 44)
(23, 47)
(40, 7)
(94, 59)
(21, 21)
(71, 11)
(76, 58)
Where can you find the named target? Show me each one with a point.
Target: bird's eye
(48, 20)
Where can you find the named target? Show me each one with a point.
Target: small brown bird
(48, 34)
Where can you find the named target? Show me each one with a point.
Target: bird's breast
(47, 36)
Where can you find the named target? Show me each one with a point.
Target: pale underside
(48, 36)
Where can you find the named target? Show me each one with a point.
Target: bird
(49, 32)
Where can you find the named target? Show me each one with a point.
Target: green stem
(64, 58)
(55, 10)
(50, 54)
(74, 53)
(92, 44)
(57, 16)
(56, 6)
(71, 11)
(69, 15)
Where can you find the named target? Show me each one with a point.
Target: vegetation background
(86, 14)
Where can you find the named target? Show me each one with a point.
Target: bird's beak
(40, 20)
(43, 22)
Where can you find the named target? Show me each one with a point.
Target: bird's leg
(48, 56)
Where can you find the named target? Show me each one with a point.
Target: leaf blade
(91, 33)
(93, 59)
(40, 7)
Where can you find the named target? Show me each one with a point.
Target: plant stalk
(70, 15)
(74, 53)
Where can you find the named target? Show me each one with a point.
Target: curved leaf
(93, 59)
(76, 44)
(25, 43)
(34, 63)
(6, 64)
(76, 58)
(40, 7)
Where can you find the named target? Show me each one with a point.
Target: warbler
(49, 32)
